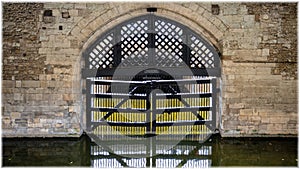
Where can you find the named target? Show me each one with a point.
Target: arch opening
(132, 56)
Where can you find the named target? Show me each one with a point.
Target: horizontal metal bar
(178, 71)
(183, 141)
(128, 124)
(141, 142)
(183, 157)
(180, 123)
(183, 109)
(152, 82)
(182, 81)
(116, 110)
(184, 95)
(158, 156)
(159, 96)
(113, 156)
(116, 82)
(118, 95)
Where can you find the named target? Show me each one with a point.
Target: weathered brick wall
(42, 59)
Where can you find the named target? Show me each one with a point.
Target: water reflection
(215, 151)
(159, 153)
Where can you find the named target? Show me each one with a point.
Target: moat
(215, 151)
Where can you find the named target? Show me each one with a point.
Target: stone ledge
(259, 135)
(77, 135)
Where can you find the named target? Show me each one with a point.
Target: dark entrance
(151, 76)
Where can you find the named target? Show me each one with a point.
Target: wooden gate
(147, 111)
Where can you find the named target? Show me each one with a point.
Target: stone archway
(142, 43)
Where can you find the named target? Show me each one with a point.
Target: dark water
(216, 151)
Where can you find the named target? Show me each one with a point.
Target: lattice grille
(201, 55)
(134, 46)
(128, 45)
(102, 54)
(168, 44)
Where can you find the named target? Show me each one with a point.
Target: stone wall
(21, 42)
(42, 59)
(260, 70)
(36, 86)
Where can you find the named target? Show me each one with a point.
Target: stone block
(274, 128)
(6, 123)
(54, 83)
(59, 114)
(74, 108)
(18, 83)
(60, 130)
(63, 44)
(292, 107)
(263, 71)
(56, 12)
(15, 115)
(68, 84)
(249, 54)
(76, 30)
(35, 125)
(8, 91)
(73, 12)
(43, 84)
(59, 125)
(265, 119)
(80, 6)
(44, 130)
(278, 119)
(45, 50)
(39, 96)
(8, 83)
(257, 92)
(30, 83)
(246, 112)
(68, 5)
(262, 127)
(292, 126)
(243, 117)
(255, 118)
(249, 20)
(86, 31)
(18, 96)
(96, 23)
(232, 95)
(55, 97)
(68, 97)
(265, 52)
(237, 105)
(231, 9)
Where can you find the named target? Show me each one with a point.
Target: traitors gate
(151, 76)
